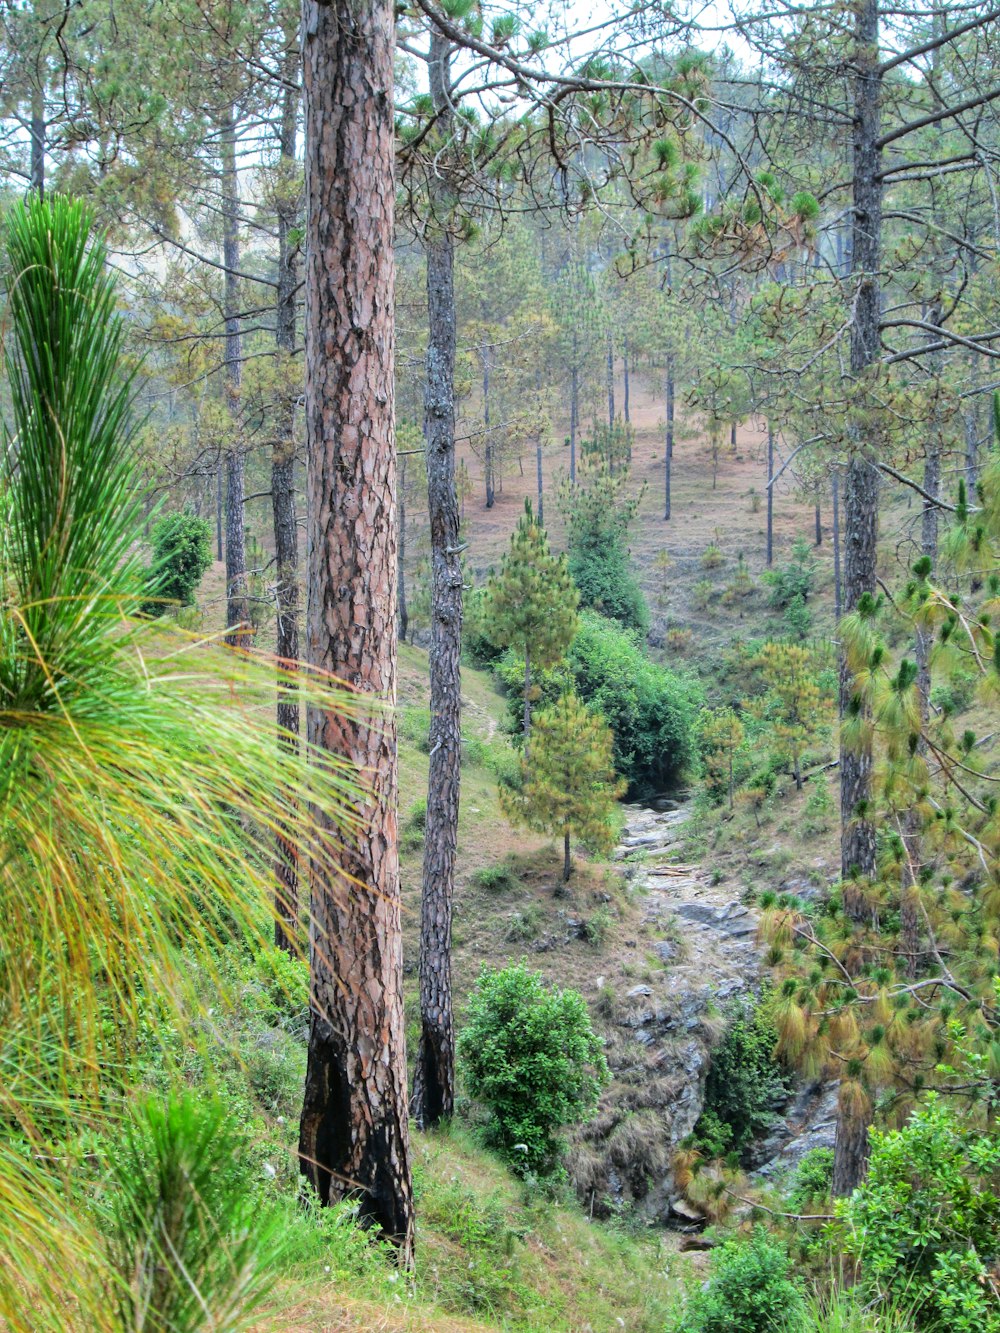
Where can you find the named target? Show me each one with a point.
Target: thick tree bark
(850, 1153)
(434, 1078)
(354, 1133)
(771, 496)
(237, 589)
(861, 478)
(286, 543)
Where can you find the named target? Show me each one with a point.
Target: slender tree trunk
(538, 450)
(237, 590)
(434, 1079)
(835, 488)
(626, 405)
(526, 719)
(972, 429)
(611, 381)
(38, 132)
(286, 540)
(354, 1134)
(668, 452)
(567, 862)
(403, 615)
(861, 478)
(771, 496)
(219, 468)
(819, 525)
(732, 437)
(487, 437)
(574, 413)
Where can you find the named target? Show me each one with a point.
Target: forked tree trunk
(434, 1078)
(237, 591)
(286, 544)
(354, 1133)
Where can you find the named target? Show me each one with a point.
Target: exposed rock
(809, 1121)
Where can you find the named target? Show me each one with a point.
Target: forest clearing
(499, 824)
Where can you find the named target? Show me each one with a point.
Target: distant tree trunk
(611, 381)
(625, 405)
(286, 538)
(574, 412)
(668, 452)
(835, 487)
(434, 1078)
(38, 132)
(819, 526)
(861, 478)
(403, 614)
(237, 591)
(219, 468)
(538, 451)
(487, 437)
(972, 428)
(567, 863)
(526, 719)
(771, 496)
(354, 1133)
(732, 437)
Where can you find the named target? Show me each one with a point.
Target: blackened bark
(434, 1078)
(819, 526)
(286, 544)
(237, 589)
(354, 1132)
(567, 862)
(771, 496)
(861, 478)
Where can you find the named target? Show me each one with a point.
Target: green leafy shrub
(187, 1239)
(412, 836)
(499, 878)
(956, 694)
(531, 1056)
(181, 554)
(745, 1082)
(478, 649)
(750, 1291)
(819, 808)
(925, 1224)
(415, 727)
(712, 557)
(602, 572)
(813, 1177)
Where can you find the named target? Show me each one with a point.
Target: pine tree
(721, 737)
(571, 785)
(531, 604)
(798, 705)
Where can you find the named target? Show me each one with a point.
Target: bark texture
(286, 543)
(434, 1078)
(354, 1134)
(237, 591)
(861, 478)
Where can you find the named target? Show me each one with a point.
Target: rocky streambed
(661, 1032)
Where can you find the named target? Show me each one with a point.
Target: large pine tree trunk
(861, 478)
(286, 544)
(434, 1079)
(237, 591)
(354, 1134)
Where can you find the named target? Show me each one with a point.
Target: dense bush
(650, 709)
(750, 1291)
(745, 1082)
(530, 1055)
(925, 1225)
(793, 581)
(478, 650)
(181, 554)
(602, 571)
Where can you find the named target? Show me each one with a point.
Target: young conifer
(571, 786)
(531, 604)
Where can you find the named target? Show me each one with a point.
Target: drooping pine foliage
(141, 782)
